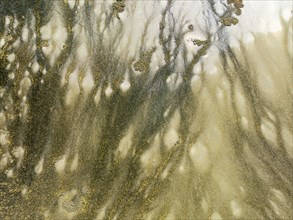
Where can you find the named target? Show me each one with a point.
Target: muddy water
(146, 110)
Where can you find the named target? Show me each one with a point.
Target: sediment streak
(144, 110)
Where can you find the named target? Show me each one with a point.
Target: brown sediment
(232, 155)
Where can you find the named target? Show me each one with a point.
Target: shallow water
(146, 109)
